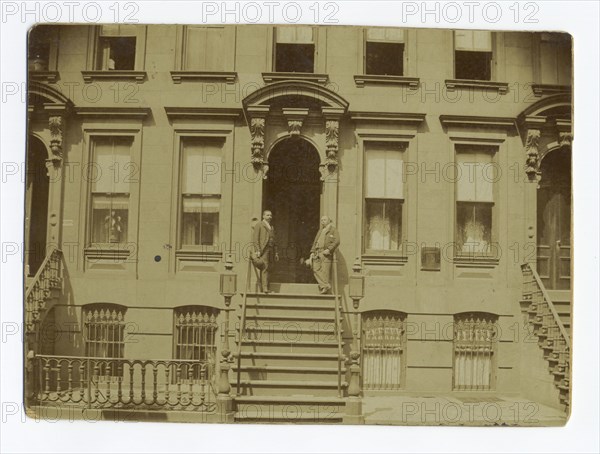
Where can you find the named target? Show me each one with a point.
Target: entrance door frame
(38, 179)
(276, 133)
(279, 142)
(554, 266)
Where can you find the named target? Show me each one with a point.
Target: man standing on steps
(265, 249)
(321, 254)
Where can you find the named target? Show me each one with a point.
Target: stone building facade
(443, 158)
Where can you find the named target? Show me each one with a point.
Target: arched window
(195, 339)
(383, 349)
(475, 339)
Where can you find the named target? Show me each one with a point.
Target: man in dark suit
(321, 254)
(263, 238)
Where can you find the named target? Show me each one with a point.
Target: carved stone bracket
(565, 132)
(532, 153)
(55, 124)
(295, 118)
(332, 136)
(258, 120)
(565, 139)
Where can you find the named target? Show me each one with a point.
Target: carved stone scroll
(565, 139)
(332, 136)
(295, 119)
(55, 124)
(257, 133)
(532, 153)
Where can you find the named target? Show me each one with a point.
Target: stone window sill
(43, 76)
(400, 81)
(381, 258)
(500, 87)
(548, 89)
(203, 76)
(475, 261)
(308, 77)
(199, 255)
(134, 76)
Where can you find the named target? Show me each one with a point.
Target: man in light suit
(265, 249)
(321, 254)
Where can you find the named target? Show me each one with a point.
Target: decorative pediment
(296, 98)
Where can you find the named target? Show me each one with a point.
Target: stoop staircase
(290, 357)
(551, 323)
(43, 291)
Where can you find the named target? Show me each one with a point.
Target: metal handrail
(338, 317)
(41, 271)
(242, 327)
(549, 302)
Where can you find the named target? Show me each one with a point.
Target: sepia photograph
(298, 224)
(323, 226)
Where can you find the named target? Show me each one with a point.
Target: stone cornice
(478, 121)
(308, 77)
(187, 113)
(135, 76)
(367, 79)
(548, 89)
(500, 87)
(203, 76)
(139, 113)
(394, 117)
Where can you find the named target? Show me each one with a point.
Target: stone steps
(289, 358)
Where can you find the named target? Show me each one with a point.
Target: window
(473, 55)
(203, 48)
(294, 49)
(474, 351)
(109, 176)
(116, 48)
(474, 201)
(43, 42)
(104, 336)
(555, 58)
(384, 51)
(201, 191)
(195, 339)
(383, 350)
(384, 197)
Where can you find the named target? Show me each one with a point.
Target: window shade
(294, 35)
(473, 40)
(383, 173)
(118, 30)
(112, 165)
(204, 48)
(395, 35)
(474, 177)
(201, 205)
(202, 167)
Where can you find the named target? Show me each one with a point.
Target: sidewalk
(459, 411)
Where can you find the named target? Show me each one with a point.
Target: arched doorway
(36, 205)
(293, 193)
(554, 220)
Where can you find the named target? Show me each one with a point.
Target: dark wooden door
(293, 193)
(554, 221)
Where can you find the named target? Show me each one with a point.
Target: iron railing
(338, 323)
(243, 327)
(552, 334)
(47, 279)
(155, 384)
